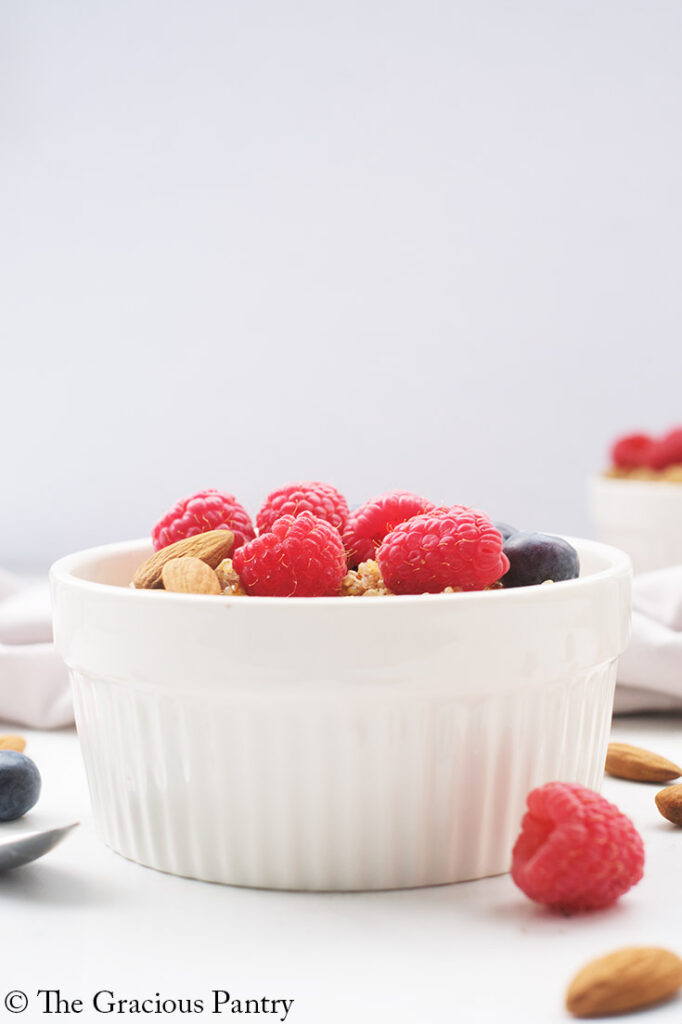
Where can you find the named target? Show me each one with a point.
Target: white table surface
(84, 919)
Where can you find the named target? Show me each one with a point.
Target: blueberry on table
(19, 784)
(537, 557)
(505, 529)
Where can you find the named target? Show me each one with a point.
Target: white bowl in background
(334, 743)
(642, 517)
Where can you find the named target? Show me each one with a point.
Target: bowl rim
(62, 572)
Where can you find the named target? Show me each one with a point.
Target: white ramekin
(334, 743)
(642, 517)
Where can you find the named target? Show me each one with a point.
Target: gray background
(422, 245)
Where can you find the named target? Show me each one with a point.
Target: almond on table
(639, 765)
(628, 979)
(11, 742)
(669, 803)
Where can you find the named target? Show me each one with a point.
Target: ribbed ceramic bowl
(642, 517)
(334, 743)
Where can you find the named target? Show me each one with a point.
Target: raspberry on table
(576, 850)
(537, 558)
(368, 524)
(301, 556)
(323, 500)
(201, 512)
(457, 547)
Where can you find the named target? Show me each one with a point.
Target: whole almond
(627, 762)
(211, 547)
(625, 980)
(9, 742)
(189, 576)
(669, 803)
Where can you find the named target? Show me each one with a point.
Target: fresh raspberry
(367, 525)
(456, 547)
(201, 512)
(323, 500)
(576, 851)
(632, 451)
(301, 556)
(667, 451)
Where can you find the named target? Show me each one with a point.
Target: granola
(671, 474)
(365, 581)
(229, 580)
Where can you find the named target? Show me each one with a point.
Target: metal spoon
(23, 849)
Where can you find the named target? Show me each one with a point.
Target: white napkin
(34, 687)
(650, 671)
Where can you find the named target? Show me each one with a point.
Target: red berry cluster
(641, 451)
(307, 540)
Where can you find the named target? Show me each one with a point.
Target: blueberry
(537, 557)
(19, 784)
(506, 530)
